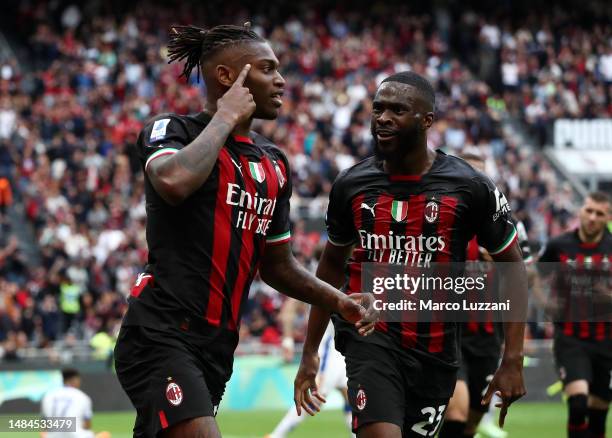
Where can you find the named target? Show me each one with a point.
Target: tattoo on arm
(178, 176)
(200, 156)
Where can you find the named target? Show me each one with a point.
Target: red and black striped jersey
(490, 332)
(485, 332)
(414, 221)
(204, 253)
(581, 270)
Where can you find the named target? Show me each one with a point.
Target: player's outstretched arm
(508, 379)
(281, 270)
(330, 270)
(177, 176)
(305, 389)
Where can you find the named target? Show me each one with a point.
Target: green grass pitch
(525, 420)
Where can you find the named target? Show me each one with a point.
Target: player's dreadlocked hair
(195, 43)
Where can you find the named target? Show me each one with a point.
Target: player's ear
(427, 120)
(225, 75)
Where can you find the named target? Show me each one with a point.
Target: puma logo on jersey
(370, 209)
(239, 166)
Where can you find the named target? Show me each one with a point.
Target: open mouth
(385, 135)
(277, 98)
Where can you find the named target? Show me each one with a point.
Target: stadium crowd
(71, 112)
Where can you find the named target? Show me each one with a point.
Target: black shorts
(477, 372)
(482, 344)
(578, 359)
(387, 386)
(170, 376)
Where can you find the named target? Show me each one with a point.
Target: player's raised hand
(237, 103)
(305, 390)
(508, 384)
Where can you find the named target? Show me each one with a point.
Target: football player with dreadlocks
(217, 197)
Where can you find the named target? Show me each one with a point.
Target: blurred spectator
(6, 199)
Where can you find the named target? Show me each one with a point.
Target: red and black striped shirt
(478, 327)
(414, 221)
(205, 252)
(482, 336)
(579, 272)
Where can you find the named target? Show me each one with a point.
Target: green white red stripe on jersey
(504, 246)
(159, 153)
(279, 238)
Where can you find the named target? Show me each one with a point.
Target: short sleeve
(164, 135)
(279, 231)
(340, 227)
(496, 232)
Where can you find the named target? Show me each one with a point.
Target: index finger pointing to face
(243, 74)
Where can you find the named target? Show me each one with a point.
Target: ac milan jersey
(482, 334)
(489, 332)
(581, 269)
(415, 221)
(204, 253)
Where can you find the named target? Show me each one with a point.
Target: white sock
(289, 421)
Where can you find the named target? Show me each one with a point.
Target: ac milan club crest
(431, 211)
(361, 399)
(257, 171)
(174, 394)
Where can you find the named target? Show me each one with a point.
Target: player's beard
(265, 113)
(591, 233)
(404, 142)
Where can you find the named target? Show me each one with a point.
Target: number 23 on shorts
(434, 418)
